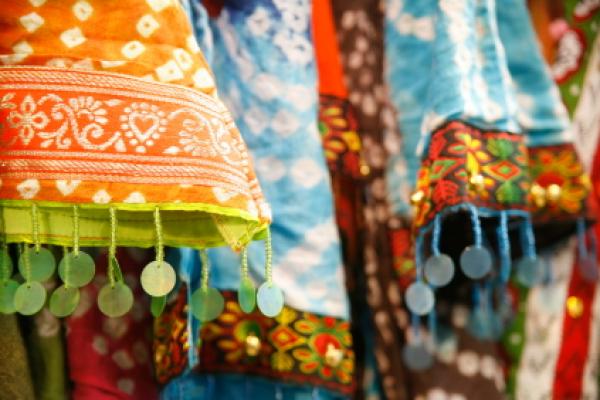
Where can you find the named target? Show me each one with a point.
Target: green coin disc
(6, 265)
(64, 301)
(158, 278)
(269, 299)
(207, 304)
(247, 295)
(157, 305)
(30, 298)
(42, 264)
(77, 270)
(115, 301)
(7, 296)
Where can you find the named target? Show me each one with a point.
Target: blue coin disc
(530, 271)
(419, 298)
(589, 268)
(42, 264)
(6, 265)
(76, 270)
(207, 304)
(269, 299)
(416, 357)
(475, 262)
(439, 270)
(484, 324)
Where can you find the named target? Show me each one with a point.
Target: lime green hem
(196, 225)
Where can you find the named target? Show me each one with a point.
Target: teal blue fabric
(240, 387)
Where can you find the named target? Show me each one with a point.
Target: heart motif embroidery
(143, 125)
(29, 188)
(67, 187)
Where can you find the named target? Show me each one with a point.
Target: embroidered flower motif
(473, 149)
(28, 120)
(87, 106)
(143, 124)
(326, 335)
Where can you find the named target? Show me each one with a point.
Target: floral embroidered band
(507, 191)
(495, 171)
(93, 139)
(92, 158)
(296, 346)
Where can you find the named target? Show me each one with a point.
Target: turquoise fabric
(266, 74)
(469, 60)
(240, 387)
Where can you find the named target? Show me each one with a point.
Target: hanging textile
(92, 156)
(557, 347)
(359, 29)
(261, 50)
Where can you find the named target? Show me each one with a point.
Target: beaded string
(437, 232)
(26, 264)
(419, 258)
(504, 247)
(160, 252)
(269, 259)
(35, 224)
(112, 249)
(528, 238)
(76, 231)
(205, 270)
(476, 224)
(244, 268)
(416, 327)
(67, 265)
(432, 325)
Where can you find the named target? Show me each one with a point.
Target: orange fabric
(331, 75)
(151, 39)
(78, 128)
(83, 136)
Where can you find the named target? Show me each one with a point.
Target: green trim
(196, 225)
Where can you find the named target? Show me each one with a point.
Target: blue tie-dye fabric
(465, 60)
(262, 55)
(266, 75)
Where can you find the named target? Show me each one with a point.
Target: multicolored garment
(261, 50)
(558, 336)
(114, 135)
(359, 25)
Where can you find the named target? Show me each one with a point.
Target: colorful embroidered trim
(96, 138)
(494, 170)
(560, 189)
(457, 154)
(295, 346)
(341, 143)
